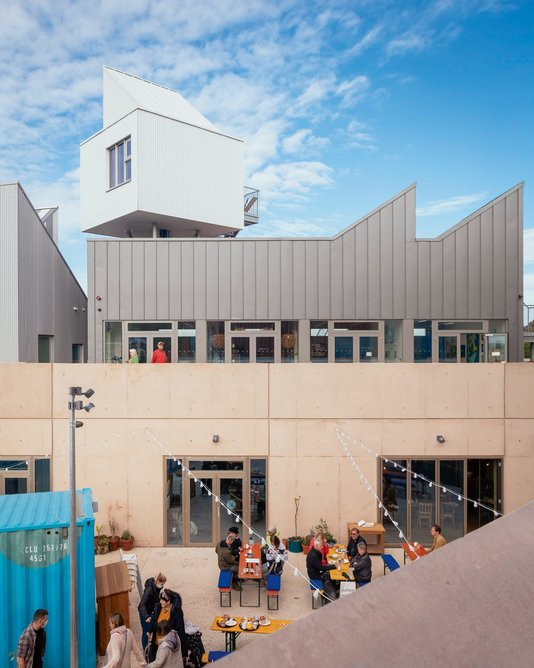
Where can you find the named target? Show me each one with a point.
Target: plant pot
(127, 544)
(295, 545)
(114, 542)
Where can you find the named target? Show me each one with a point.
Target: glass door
(344, 349)
(496, 348)
(139, 344)
(154, 339)
(368, 348)
(394, 499)
(231, 494)
(423, 500)
(483, 485)
(448, 348)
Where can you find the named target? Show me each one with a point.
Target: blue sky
(341, 104)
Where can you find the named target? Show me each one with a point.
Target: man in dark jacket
(355, 538)
(227, 559)
(316, 570)
(148, 602)
(362, 565)
(237, 544)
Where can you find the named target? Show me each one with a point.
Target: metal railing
(251, 204)
(528, 319)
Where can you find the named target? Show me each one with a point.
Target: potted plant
(295, 542)
(101, 541)
(127, 540)
(323, 528)
(114, 539)
(306, 543)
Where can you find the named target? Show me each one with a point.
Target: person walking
(159, 356)
(121, 645)
(32, 642)
(148, 602)
(168, 654)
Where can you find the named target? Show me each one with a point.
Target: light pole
(74, 424)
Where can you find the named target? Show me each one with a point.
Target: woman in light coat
(169, 653)
(121, 645)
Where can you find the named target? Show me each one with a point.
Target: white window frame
(114, 163)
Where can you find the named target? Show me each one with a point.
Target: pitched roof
(123, 93)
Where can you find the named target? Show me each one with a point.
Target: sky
(341, 104)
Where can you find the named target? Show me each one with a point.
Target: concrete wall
(287, 413)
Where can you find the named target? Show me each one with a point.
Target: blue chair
(316, 585)
(225, 587)
(272, 589)
(212, 656)
(390, 562)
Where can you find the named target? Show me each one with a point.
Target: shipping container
(35, 573)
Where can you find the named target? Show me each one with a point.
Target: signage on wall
(36, 549)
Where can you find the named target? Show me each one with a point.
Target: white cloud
(449, 205)
(292, 181)
(354, 90)
(303, 142)
(370, 38)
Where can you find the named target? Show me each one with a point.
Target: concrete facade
(285, 413)
(39, 295)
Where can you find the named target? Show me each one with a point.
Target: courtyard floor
(193, 572)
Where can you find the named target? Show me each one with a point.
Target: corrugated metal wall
(47, 290)
(375, 269)
(9, 291)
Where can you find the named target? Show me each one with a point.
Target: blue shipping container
(35, 573)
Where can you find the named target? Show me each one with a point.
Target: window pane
(112, 167)
(14, 465)
(120, 163)
(368, 349)
(451, 509)
(484, 485)
(201, 510)
(422, 341)
(174, 504)
(258, 495)
(265, 349)
(113, 342)
(289, 341)
(356, 326)
(423, 505)
(456, 326)
(16, 485)
(394, 499)
(128, 147)
(240, 349)
(44, 346)
(215, 465)
(231, 490)
(216, 341)
(393, 341)
(42, 475)
(140, 345)
(128, 166)
(319, 341)
(344, 349)
(186, 341)
(252, 326)
(150, 327)
(448, 349)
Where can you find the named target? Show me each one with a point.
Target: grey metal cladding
(374, 269)
(9, 290)
(50, 300)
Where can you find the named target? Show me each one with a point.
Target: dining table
(232, 633)
(249, 572)
(337, 554)
(413, 551)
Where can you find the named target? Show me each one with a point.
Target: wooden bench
(225, 587)
(316, 585)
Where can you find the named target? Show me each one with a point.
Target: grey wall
(37, 290)
(9, 347)
(375, 269)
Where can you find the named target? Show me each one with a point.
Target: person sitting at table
(361, 564)
(275, 555)
(168, 608)
(227, 559)
(355, 538)
(237, 544)
(271, 533)
(319, 571)
(439, 540)
(319, 535)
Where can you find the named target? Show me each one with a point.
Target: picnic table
(233, 632)
(338, 554)
(250, 569)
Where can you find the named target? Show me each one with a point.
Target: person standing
(439, 540)
(121, 645)
(148, 602)
(159, 356)
(32, 642)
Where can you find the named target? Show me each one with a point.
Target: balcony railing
(528, 321)
(251, 205)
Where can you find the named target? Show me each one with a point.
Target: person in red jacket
(159, 356)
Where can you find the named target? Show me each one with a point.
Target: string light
(252, 532)
(340, 434)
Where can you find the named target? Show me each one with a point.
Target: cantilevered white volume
(158, 167)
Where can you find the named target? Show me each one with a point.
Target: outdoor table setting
(232, 627)
(250, 569)
(337, 555)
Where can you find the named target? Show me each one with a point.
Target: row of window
(120, 162)
(21, 476)
(322, 341)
